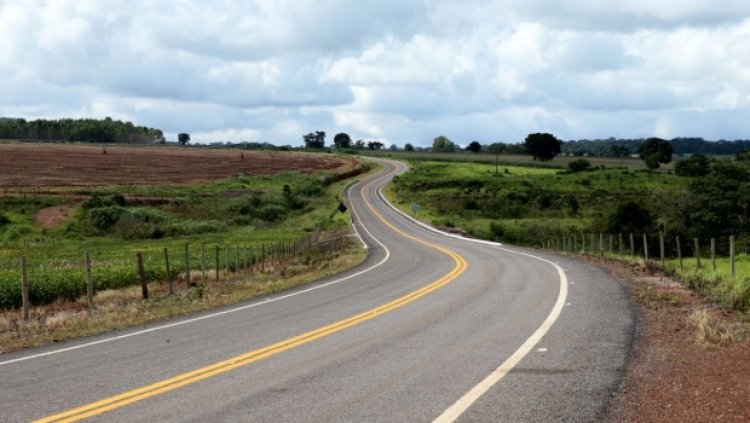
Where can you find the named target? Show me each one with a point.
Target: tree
(374, 145)
(342, 140)
(393, 147)
(474, 147)
(497, 147)
(315, 139)
(183, 138)
(360, 145)
(695, 165)
(619, 150)
(630, 217)
(408, 147)
(442, 144)
(654, 151)
(542, 146)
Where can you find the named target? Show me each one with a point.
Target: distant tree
(393, 147)
(183, 138)
(542, 146)
(442, 144)
(342, 140)
(360, 145)
(579, 165)
(315, 139)
(408, 147)
(619, 150)
(374, 145)
(474, 147)
(654, 151)
(743, 156)
(695, 165)
(497, 147)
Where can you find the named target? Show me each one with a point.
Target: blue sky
(394, 70)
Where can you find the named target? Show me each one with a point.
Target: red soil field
(64, 165)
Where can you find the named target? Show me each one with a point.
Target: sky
(398, 71)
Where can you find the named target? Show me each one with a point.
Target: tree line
(85, 130)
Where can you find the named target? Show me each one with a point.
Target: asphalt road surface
(429, 328)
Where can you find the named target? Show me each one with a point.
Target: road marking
(121, 400)
(463, 403)
(542, 350)
(466, 401)
(216, 314)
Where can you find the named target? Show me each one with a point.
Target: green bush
(579, 165)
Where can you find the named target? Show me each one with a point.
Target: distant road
(430, 327)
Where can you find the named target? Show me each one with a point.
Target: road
(429, 328)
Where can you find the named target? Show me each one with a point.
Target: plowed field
(59, 165)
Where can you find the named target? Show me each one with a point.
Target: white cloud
(399, 71)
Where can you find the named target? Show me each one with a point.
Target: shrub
(579, 165)
(4, 220)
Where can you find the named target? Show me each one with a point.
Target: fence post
(141, 274)
(592, 243)
(622, 246)
(236, 259)
(611, 242)
(169, 271)
(601, 244)
(89, 282)
(226, 259)
(713, 254)
(203, 264)
(661, 248)
(575, 243)
(632, 244)
(696, 243)
(24, 289)
(645, 246)
(187, 266)
(218, 264)
(731, 253)
(679, 251)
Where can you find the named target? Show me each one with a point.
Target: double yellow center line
(166, 385)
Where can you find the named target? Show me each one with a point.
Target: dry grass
(117, 309)
(712, 330)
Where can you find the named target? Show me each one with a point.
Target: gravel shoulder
(690, 359)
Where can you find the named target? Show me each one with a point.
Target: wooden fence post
(679, 251)
(218, 264)
(632, 244)
(169, 271)
(226, 259)
(622, 246)
(713, 254)
(89, 282)
(592, 244)
(611, 241)
(187, 266)
(645, 246)
(731, 253)
(601, 244)
(24, 289)
(236, 259)
(696, 243)
(141, 274)
(203, 264)
(661, 248)
(575, 244)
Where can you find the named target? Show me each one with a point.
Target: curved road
(429, 328)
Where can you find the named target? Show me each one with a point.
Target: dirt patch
(677, 372)
(65, 165)
(52, 216)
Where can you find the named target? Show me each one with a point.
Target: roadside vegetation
(250, 213)
(566, 208)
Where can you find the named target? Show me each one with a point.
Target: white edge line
(469, 398)
(212, 315)
(351, 221)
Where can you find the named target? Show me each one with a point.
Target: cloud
(398, 71)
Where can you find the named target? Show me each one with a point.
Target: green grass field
(249, 215)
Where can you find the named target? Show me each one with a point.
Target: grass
(121, 308)
(234, 211)
(713, 331)
(559, 162)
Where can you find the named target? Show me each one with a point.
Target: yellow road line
(166, 385)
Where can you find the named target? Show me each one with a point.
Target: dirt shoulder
(690, 359)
